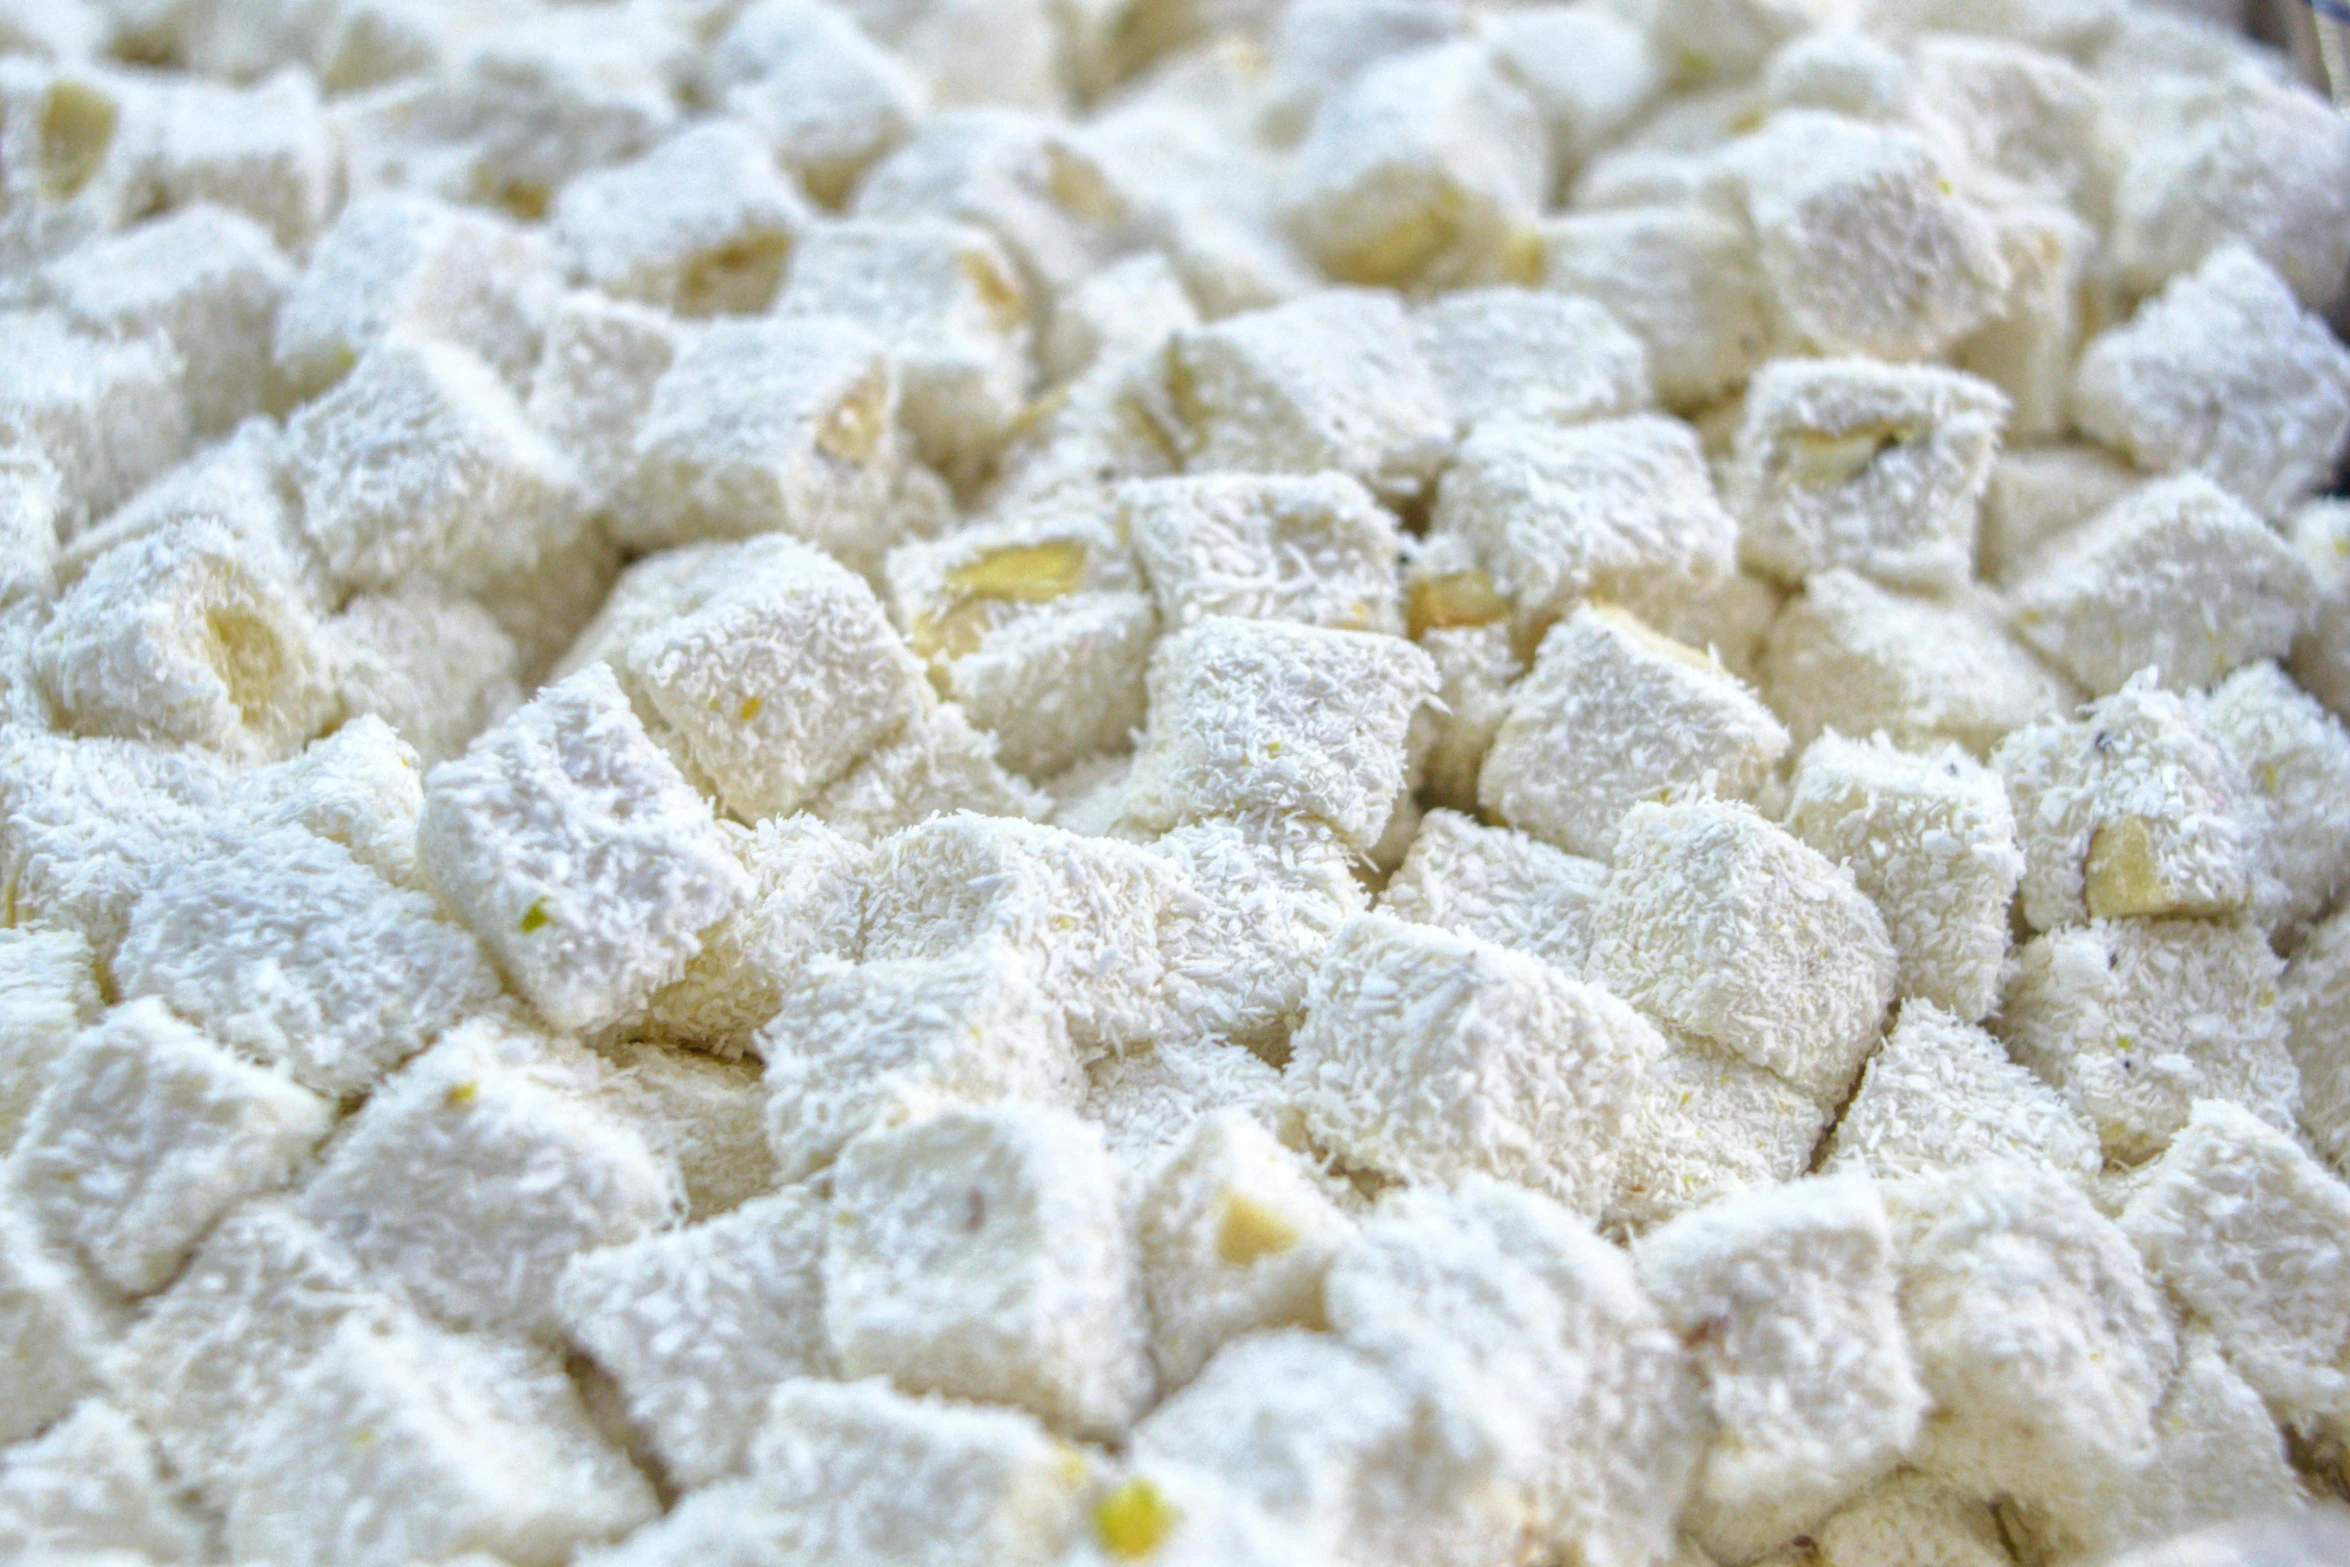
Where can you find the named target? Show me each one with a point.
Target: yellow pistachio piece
(853, 429)
(1818, 460)
(1455, 598)
(1027, 573)
(77, 127)
(1249, 1230)
(1134, 1520)
(2120, 877)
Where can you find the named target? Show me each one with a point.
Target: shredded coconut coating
(2315, 1001)
(1551, 356)
(1503, 886)
(2295, 759)
(1317, 550)
(91, 1483)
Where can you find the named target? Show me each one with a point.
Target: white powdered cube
(1260, 716)
(1846, 462)
(1130, 306)
(1504, 886)
(1037, 625)
(187, 637)
(767, 425)
(2217, 1455)
(1021, 176)
(983, 1253)
(866, 1047)
(1930, 838)
(421, 462)
(1591, 72)
(1908, 1515)
(1255, 903)
(405, 264)
(87, 825)
(106, 415)
(2244, 158)
(2038, 493)
(1359, 1467)
(1320, 45)
(1082, 916)
(1539, 354)
(948, 303)
(2020, 113)
(1941, 1094)
(1686, 282)
(867, 1474)
(48, 994)
(1868, 248)
(435, 668)
(1787, 1296)
(1540, 1347)
(283, 947)
(700, 1326)
(701, 225)
(1430, 1056)
(1428, 168)
(1310, 548)
(268, 151)
(1618, 509)
(1463, 622)
(1613, 715)
(1235, 1234)
(54, 1328)
(146, 1134)
(90, 1489)
(1145, 1100)
(1330, 381)
(572, 846)
(2131, 808)
(2177, 576)
(2253, 1236)
(473, 1176)
(703, 1110)
(2036, 1330)
(1726, 927)
(938, 764)
(1853, 656)
(29, 501)
(828, 99)
(395, 1445)
(207, 281)
(2295, 757)
(2135, 1020)
(1708, 1123)
(594, 383)
(359, 787)
(2321, 656)
(775, 673)
(2222, 374)
(1727, 40)
(2315, 1000)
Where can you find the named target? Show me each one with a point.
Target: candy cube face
(1613, 715)
(1235, 1235)
(2027, 349)
(53, 1327)
(1427, 167)
(414, 1443)
(700, 225)
(2315, 1000)
(1504, 886)
(1328, 382)
(1539, 355)
(48, 993)
(2129, 810)
(779, 678)
(877, 1045)
(2135, 1020)
(700, 1326)
(420, 462)
(761, 426)
(2038, 493)
(703, 1110)
(1616, 509)
(2295, 758)
(1851, 655)
(1539, 1073)
(435, 668)
(1845, 462)
(2177, 577)
(594, 381)
(1708, 1123)
(1251, 716)
(1849, 207)
(283, 947)
(268, 151)
(473, 1177)
(1684, 281)
(1722, 926)
(866, 1473)
(107, 416)
(2043, 1342)
(91, 1483)
(146, 1134)
(948, 302)
(938, 765)
(1789, 1295)
(578, 854)
(1941, 1094)
(1317, 550)
(982, 1253)
(827, 98)
(1931, 840)
(1145, 1102)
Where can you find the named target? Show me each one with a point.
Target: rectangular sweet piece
(436, 668)
(939, 764)
(2315, 1001)
(1315, 549)
(2296, 758)
(1707, 1123)
(701, 225)
(1543, 355)
(1683, 279)
(1504, 886)
(91, 1483)
(108, 416)
(48, 994)
(54, 1329)
(827, 98)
